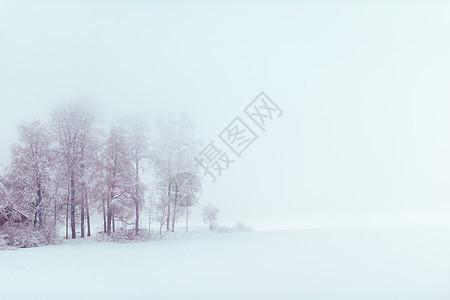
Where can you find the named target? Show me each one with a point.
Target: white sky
(365, 87)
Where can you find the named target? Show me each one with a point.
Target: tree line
(67, 168)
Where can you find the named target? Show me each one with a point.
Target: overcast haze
(365, 88)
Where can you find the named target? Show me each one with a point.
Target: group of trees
(63, 170)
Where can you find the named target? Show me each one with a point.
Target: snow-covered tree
(30, 170)
(139, 150)
(119, 178)
(74, 128)
(210, 215)
(172, 154)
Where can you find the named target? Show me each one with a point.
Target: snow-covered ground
(290, 264)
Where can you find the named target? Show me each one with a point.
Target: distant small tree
(210, 215)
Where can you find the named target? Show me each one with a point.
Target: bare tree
(138, 144)
(159, 205)
(119, 177)
(30, 170)
(73, 127)
(172, 155)
(210, 215)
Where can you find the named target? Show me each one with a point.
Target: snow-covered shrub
(50, 235)
(240, 226)
(102, 237)
(23, 236)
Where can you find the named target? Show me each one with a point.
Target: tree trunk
(38, 214)
(175, 208)
(109, 216)
(137, 218)
(137, 197)
(88, 217)
(168, 212)
(108, 224)
(72, 205)
(67, 219)
(104, 213)
(113, 224)
(82, 212)
(56, 217)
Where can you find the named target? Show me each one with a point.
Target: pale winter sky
(364, 85)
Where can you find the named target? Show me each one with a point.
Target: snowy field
(296, 264)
